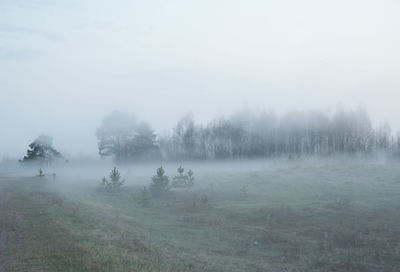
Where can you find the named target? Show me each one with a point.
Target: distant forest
(247, 134)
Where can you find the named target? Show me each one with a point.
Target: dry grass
(52, 234)
(326, 218)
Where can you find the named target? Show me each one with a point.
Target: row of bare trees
(247, 134)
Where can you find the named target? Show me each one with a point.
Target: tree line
(247, 134)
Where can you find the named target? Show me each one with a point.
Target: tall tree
(116, 131)
(185, 137)
(122, 138)
(41, 151)
(144, 144)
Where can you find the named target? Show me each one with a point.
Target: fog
(64, 65)
(218, 135)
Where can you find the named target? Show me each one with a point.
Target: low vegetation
(299, 217)
(183, 180)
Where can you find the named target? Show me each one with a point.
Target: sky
(65, 64)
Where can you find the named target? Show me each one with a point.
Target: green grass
(59, 235)
(331, 217)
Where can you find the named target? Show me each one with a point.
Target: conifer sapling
(159, 183)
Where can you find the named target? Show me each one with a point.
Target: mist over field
(199, 136)
(66, 64)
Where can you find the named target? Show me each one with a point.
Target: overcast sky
(65, 64)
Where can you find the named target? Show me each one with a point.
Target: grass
(301, 217)
(58, 235)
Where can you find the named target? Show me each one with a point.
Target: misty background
(65, 65)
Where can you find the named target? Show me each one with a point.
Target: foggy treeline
(247, 134)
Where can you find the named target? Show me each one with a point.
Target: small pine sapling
(144, 199)
(180, 180)
(159, 183)
(41, 174)
(181, 170)
(115, 177)
(115, 181)
(190, 179)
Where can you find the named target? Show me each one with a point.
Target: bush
(115, 182)
(160, 182)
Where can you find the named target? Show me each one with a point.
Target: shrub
(190, 181)
(160, 182)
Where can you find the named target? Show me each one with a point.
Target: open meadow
(190, 136)
(334, 215)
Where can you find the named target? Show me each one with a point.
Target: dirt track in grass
(39, 231)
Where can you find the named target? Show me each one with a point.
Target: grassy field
(293, 217)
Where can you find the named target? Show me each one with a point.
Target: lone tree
(115, 181)
(160, 182)
(41, 151)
